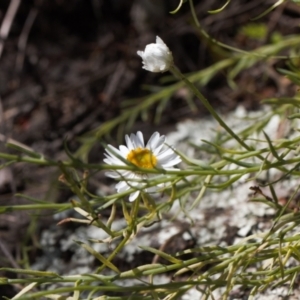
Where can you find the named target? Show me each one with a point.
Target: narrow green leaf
(3, 280)
(98, 256)
(273, 150)
(225, 184)
(164, 255)
(34, 200)
(30, 272)
(195, 162)
(219, 9)
(24, 149)
(282, 100)
(266, 202)
(126, 213)
(68, 152)
(268, 10)
(25, 290)
(178, 7)
(238, 162)
(294, 116)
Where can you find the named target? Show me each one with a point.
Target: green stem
(175, 71)
(128, 233)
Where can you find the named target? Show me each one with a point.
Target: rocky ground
(225, 217)
(68, 66)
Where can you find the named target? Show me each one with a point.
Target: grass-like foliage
(255, 263)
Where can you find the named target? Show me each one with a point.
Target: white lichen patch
(223, 216)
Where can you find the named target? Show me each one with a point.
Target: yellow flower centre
(142, 158)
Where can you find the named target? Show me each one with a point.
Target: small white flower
(154, 155)
(156, 57)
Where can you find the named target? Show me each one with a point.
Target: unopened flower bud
(156, 57)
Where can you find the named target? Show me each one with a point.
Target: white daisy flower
(154, 155)
(156, 57)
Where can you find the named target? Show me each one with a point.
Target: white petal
(122, 186)
(152, 189)
(160, 41)
(109, 161)
(124, 150)
(163, 67)
(140, 139)
(133, 180)
(123, 174)
(112, 175)
(177, 160)
(140, 53)
(113, 161)
(167, 159)
(129, 142)
(155, 142)
(113, 151)
(164, 153)
(133, 140)
(159, 145)
(171, 163)
(133, 196)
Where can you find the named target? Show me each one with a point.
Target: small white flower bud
(156, 57)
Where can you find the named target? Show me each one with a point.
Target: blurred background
(68, 66)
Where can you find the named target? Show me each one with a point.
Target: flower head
(154, 155)
(156, 57)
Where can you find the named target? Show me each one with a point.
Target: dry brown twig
(7, 22)
(24, 37)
